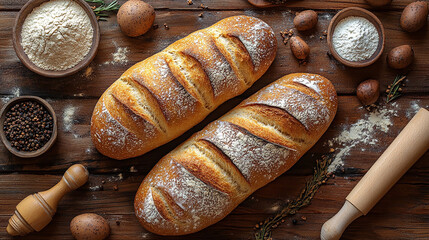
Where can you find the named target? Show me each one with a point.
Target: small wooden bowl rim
(16, 34)
(263, 3)
(359, 12)
(40, 151)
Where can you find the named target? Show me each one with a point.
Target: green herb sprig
(320, 176)
(101, 10)
(394, 90)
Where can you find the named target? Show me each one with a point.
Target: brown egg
(89, 226)
(135, 17)
(368, 91)
(305, 20)
(400, 57)
(299, 47)
(414, 16)
(378, 3)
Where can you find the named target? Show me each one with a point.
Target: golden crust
(178, 87)
(254, 143)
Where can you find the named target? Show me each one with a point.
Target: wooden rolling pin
(404, 151)
(36, 211)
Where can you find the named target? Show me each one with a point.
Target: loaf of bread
(160, 98)
(207, 176)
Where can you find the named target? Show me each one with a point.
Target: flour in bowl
(355, 39)
(57, 35)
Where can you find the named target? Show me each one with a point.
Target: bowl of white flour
(56, 38)
(356, 37)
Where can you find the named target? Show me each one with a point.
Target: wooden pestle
(403, 152)
(36, 211)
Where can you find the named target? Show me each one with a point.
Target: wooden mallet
(405, 150)
(36, 211)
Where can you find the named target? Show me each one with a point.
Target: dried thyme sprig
(394, 91)
(100, 10)
(320, 176)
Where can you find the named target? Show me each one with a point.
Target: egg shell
(89, 226)
(135, 17)
(305, 20)
(400, 57)
(299, 47)
(414, 16)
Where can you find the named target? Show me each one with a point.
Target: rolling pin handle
(334, 227)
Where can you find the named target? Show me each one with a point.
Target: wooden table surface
(402, 214)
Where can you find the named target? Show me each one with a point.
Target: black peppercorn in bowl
(28, 126)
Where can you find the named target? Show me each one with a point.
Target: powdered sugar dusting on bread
(318, 84)
(176, 103)
(314, 84)
(251, 155)
(114, 131)
(258, 38)
(113, 135)
(200, 200)
(186, 190)
(217, 68)
(163, 69)
(148, 128)
(222, 77)
(147, 210)
(304, 108)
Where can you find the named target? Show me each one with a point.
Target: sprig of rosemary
(101, 10)
(394, 90)
(320, 176)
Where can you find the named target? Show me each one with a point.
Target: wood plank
(74, 143)
(16, 78)
(401, 214)
(238, 4)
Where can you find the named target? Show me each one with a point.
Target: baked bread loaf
(160, 98)
(206, 177)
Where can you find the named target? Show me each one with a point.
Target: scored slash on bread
(207, 176)
(160, 98)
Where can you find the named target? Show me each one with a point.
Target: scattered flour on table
(361, 133)
(68, 117)
(145, 235)
(415, 106)
(119, 56)
(16, 92)
(250, 12)
(88, 150)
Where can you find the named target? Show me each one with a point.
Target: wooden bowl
(267, 4)
(22, 15)
(43, 149)
(359, 12)
(262, 3)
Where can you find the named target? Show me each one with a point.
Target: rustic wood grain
(396, 215)
(16, 77)
(238, 4)
(401, 214)
(74, 142)
(22, 177)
